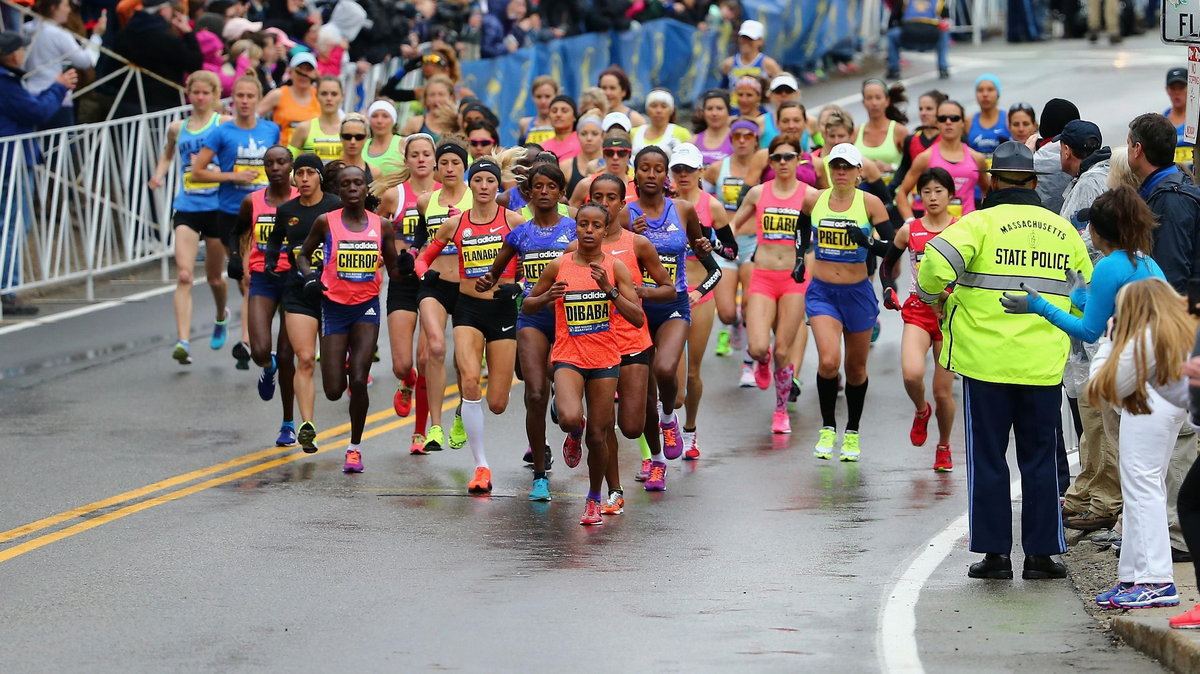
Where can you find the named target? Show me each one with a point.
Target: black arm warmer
(726, 244)
(421, 236)
(714, 275)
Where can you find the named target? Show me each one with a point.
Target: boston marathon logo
(586, 311)
(357, 260)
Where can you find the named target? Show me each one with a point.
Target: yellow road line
(26, 529)
(46, 539)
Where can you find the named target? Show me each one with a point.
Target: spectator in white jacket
(53, 48)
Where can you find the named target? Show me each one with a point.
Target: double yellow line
(258, 462)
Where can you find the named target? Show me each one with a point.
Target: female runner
(591, 139)
(481, 322)
(965, 165)
(748, 94)
(302, 313)
(536, 242)
(322, 135)
(712, 122)
(354, 136)
(661, 130)
(617, 152)
(195, 212)
(585, 286)
(438, 296)
(440, 116)
(686, 162)
(385, 152)
(669, 224)
(563, 116)
(840, 302)
(989, 126)
(256, 219)
(921, 325)
(357, 243)
(885, 126)
(1022, 122)
(922, 138)
(775, 301)
(482, 139)
(399, 193)
(537, 129)
(617, 89)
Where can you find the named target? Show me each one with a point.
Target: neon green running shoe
(850, 446)
(434, 439)
(723, 348)
(825, 442)
(458, 433)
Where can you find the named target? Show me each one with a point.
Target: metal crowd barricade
(76, 203)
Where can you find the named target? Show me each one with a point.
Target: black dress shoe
(1042, 567)
(1180, 556)
(994, 566)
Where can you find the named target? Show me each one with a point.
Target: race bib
(262, 230)
(779, 224)
(433, 222)
(327, 150)
(193, 186)
(357, 260)
(408, 225)
(670, 262)
(534, 263)
(731, 189)
(479, 252)
(249, 165)
(1183, 154)
(586, 311)
(834, 243)
(955, 207)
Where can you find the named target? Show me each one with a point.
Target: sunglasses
(784, 156)
(949, 118)
(617, 153)
(354, 136)
(681, 168)
(742, 134)
(482, 143)
(432, 58)
(1021, 106)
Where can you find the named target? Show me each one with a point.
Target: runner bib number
(586, 311)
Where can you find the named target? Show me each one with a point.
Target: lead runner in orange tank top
(586, 287)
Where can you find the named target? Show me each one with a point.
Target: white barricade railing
(76, 204)
(985, 15)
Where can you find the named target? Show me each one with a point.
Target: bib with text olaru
(586, 311)
(357, 260)
(533, 263)
(834, 243)
(670, 262)
(479, 251)
(779, 224)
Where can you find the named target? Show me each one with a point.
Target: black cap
(617, 141)
(1081, 136)
(1055, 115)
(1013, 157)
(309, 160)
(10, 41)
(1084, 214)
(1176, 75)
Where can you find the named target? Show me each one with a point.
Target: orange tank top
(583, 332)
(289, 114)
(630, 339)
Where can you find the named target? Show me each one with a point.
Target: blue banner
(660, 53)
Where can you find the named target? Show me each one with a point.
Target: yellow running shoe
(458, 433)
(825, 442)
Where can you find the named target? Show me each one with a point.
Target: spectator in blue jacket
(20, 112)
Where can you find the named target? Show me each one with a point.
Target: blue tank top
(986, 139)
(669, 237)
(1183, 149)
(538, 246)
(515, 201)
(237, 149)
(193, 196)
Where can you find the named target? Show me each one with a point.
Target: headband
(309, 160)
(484, 166)
(563, 98)
(384, 106)
(988, 78)
(660, 96)
(752, 81)
(450, 148)
(590, 119)
(875, 80)
(353, 117)
(419, 136)
(744, 124)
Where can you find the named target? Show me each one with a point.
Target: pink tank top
(965, 179)
(262, 216)
(704, 213)
(778, 217)
(352, 260)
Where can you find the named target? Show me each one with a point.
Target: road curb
(1177, 650)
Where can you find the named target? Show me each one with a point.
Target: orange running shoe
(403, 400)
(1187, 621)
(942, 462)
(481, 483)
(591, 513)
(418, 444)
(615, 505)
(353, 462)
(644, 473)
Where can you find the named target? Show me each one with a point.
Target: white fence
(76, 204)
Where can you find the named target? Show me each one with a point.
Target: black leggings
(1189, 514)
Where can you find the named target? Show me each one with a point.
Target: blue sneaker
(220, 332)
(875, 332)
(266, 381)
(1148, 595)
(287, 436)
(1105, 598)
(541, 490)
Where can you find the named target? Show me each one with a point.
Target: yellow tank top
(289, 114)
(327, 146)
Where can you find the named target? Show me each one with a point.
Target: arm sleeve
(726, 243)
(275, 242)
(947, 256)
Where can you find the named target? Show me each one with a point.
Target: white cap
(686, 154)
(847, 153)
(752, 29)
(303, 58)
(784, 80)
(616, 119)
(238, 26)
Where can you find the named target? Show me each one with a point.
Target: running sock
(827, 391)
(644, 446)
(472, 416)
(783, 386)
(410, 378)
(290, 424)
(352, 447)
(539, 475)
(856, 396)
(422, 395)
(273, 367)
(618, 492)
(689, 430)
(593, 496)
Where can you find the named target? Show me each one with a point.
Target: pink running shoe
(780, 423)
(657, 481)
(573, 447)
(591, 514)
(353, 462)
(644, 473)
(762, 373)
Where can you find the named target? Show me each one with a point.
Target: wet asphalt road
(758, 558)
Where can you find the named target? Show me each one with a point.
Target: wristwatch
(613, 293)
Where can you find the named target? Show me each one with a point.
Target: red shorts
(707, 297)
(775, 283)
(915, 312)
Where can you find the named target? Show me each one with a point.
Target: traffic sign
(1193, 94)
(1180, 21)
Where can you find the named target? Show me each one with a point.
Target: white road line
(896, 646)
(91, 308)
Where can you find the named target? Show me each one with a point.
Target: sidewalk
(1093, 570)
